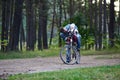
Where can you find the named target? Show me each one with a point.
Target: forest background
(34, 24)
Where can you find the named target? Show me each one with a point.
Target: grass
(94, 52)
(54, 51)
(91, 73)
(29, 54)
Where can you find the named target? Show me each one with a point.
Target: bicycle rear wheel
(68, 53)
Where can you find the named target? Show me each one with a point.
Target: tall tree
(30, 25)
(60, 19)
(105, 27)
(96, 26)
(90, 16)
(71, 8)
(43, 24)
(4, 27)
(111, 23)
(6, 22)
(53, 21)
(119, 20)
(100, 25)
(64, 10)
(17, 24)
(40, 27)
(12, 3)
(35, 20)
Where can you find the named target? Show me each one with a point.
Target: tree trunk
(3, 25)
(12, 3)
(35, 21)
(100, 25)
(96, 26)
(71, 10)
(60, 19)
(16, 24)
(90, 15)
(53, 21)
(45, 15)
(119, 20)
(111, 24)
(30, 25)
(42, 33)
(104, 27)
(64, 10)
(21, 36)
(40, 27)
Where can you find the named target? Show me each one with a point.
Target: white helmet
(72, 26)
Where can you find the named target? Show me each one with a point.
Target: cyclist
(71, 28)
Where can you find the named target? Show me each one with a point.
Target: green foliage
(4, 42)
(117, 41)
(79, 19)
(117, 44)
(87, 36)
(92, 73)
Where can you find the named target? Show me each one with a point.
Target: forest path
(34, 65)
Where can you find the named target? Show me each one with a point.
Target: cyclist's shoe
(77, 62)
(67, 61)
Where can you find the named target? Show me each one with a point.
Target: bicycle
(69, 51)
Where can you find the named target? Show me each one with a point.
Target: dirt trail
(33, 65)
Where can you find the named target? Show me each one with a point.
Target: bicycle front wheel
(68, 55)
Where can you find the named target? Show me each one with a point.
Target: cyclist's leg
(78, 41)
(68, 55)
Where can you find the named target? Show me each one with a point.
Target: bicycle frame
(68, 53)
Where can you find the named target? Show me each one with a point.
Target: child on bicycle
(71, 28)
